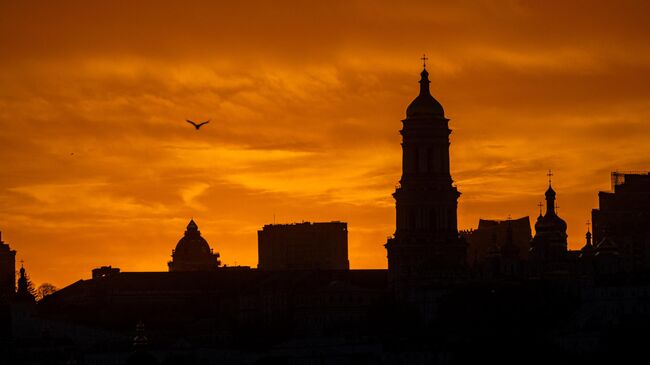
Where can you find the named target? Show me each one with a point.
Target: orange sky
(99, 167)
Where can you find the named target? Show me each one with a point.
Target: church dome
(192, 244)
(550, 222)
(550, 193)
(425, 105)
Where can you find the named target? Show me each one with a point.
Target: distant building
(622, 221)
(304, 245)
(193, 253)
(104, 272)
(492, 234)
(7, 271)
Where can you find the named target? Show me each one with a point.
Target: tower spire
(550, 196)
(424, 61)
(424, 83)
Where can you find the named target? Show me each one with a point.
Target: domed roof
(550, 222)
(192, 243)
(550, 192)
(425, 105)
(588, 247)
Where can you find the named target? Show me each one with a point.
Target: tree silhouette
(44, 290)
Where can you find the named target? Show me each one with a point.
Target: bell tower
(425, 245)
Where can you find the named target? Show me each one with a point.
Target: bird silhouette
(197, 126)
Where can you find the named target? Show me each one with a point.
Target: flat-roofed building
(318, 245)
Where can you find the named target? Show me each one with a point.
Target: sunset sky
(98, 166)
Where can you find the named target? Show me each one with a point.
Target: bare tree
(44, 290)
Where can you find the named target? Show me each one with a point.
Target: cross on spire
(21, 263)
(588, 225)
(540, 205)
(424, 60)
(549, 174)
(557, 208)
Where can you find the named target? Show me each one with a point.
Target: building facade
(306, 245)
(622, 220)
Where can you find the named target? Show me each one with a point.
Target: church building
(426, 246)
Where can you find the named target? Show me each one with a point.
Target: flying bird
(197, 126)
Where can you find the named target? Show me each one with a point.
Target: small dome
(192, 244)
(550, 192)
(425, 105)
(550, 222)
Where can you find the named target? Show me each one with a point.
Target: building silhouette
(24, 292)
(7, 271)
(426, 245)
(549, 245)
(492, 233)
(515, 295)
(622, 220)
(193, 253)
(318, 245)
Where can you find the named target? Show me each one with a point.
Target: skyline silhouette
(305, 304)
(98, 163)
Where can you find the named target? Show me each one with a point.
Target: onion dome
(550, 193)
(425, 105)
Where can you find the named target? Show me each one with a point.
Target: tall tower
(426, 245)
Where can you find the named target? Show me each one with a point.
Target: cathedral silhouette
(496, 293)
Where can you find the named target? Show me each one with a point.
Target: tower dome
(425, 105)
(550, 241)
